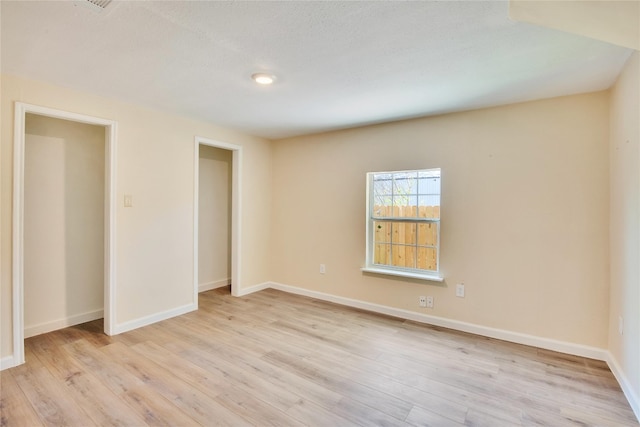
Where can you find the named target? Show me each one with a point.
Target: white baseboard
(632, 397)
(213, 285)
(7, 362)
(255, 288)
(43, 328)
(501, 334)
(157, 317)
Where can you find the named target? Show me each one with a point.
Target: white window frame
(413, 273)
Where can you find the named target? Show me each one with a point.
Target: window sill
(420, 276)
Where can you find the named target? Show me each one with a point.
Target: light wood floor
(272, 358)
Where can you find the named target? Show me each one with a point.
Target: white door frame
(21, 110)
(236, 211)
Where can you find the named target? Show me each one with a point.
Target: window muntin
(404, 220)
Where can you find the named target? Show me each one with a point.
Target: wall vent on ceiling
(95, 5)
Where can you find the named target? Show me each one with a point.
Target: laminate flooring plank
(353, 346)
(426, 387)
(553, 391)
(96, 400)
(321, 318)
(161, 333)
(385, 402)
(472, 381)
(313, 318)
(480, 416)
(271, 385)
(202, 408)
(249, 396)
(221, 387)
(443, 404)
(49, 398)
(535, 417)
(590, 418)
(433, 351)
(547, 380)
(429, 401)
(364, 415)
(139, 335)
(604, 381)
(205, 380)
(92, 332)
(421, 417)
(286, 388)
(15, 409)
(311, 414)
(272, 358)
(585, 382)
(422, 382)
(154, 408)
(110, 371)
(469, 354)
(255, 410)
(205, 335)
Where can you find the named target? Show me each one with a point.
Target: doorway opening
(214, 213)
(217, 207)
(63, 222)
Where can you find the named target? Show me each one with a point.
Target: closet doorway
(214, 218)
(63, 222)
(216, 215)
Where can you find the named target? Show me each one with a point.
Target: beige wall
(613, 21)
(524, 214)
(155, 164)
(214, 238)
(624, 154)
(63, 223)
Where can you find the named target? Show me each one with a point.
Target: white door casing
(21, 110)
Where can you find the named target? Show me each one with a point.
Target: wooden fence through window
(406, 244)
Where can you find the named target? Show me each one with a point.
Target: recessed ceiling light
(263, 79)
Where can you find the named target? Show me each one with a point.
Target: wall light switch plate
(460, 290)
(128, 201)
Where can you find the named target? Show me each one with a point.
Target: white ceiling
(339, 64)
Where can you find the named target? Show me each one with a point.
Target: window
(403, 223)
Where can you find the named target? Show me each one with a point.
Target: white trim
(625, 385)
(43, 328)
(153, 318)
(213, 285)
(236, 211)
(18, 234)
(110, 289)
(7, 362)
(401, 273)
(501, 334)
(370, 267)
(256, 288)
(21, 109)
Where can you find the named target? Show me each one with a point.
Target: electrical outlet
(429, 302)
(128, 201)
(460, 290)
(323, 269)
(423, 301)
